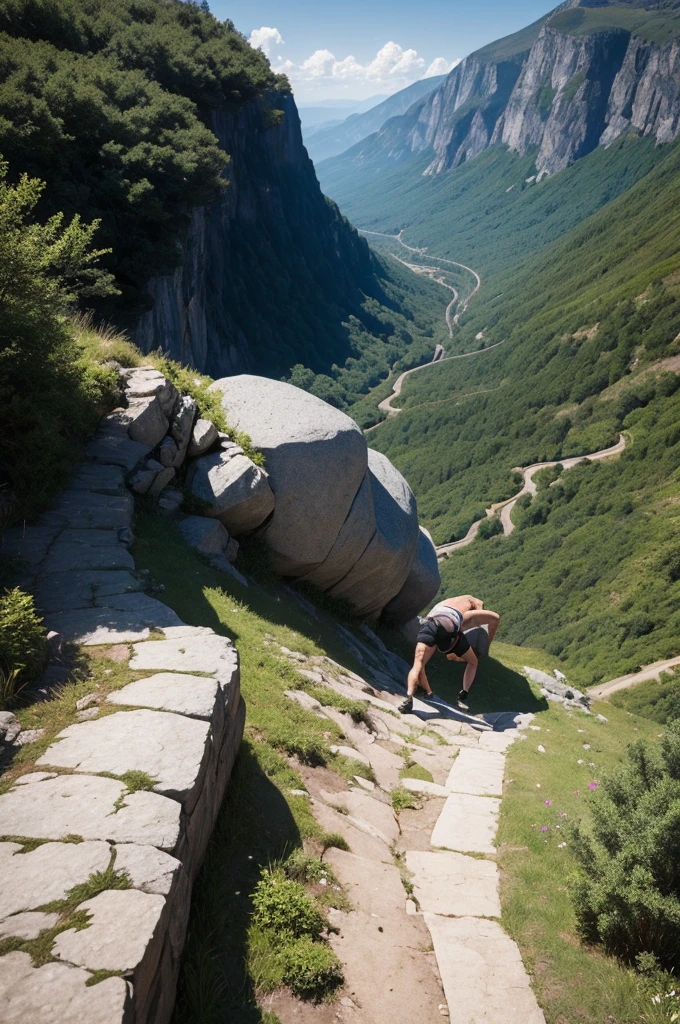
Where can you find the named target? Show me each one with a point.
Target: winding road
(528, 487)
(633, 678)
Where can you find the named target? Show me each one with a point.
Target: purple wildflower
(548, 803)
(592, 785)
(544, 828)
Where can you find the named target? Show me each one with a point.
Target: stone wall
(178, 726)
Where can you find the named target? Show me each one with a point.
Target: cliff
(587, 74)
(270, 269)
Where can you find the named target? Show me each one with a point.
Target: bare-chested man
(444, 630)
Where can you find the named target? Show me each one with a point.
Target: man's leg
(482, 618)
(417, 676)
(471, 663)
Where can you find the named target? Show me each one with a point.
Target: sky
(353, 49)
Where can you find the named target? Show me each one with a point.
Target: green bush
(22, 642)
(285, 906)
(311, 969)
(627, 894)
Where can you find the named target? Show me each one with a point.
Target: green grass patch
(411, 770)
(544, 793)
(402, 799)
(658, 700)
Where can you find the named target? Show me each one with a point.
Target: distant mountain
(334, 138)
(336, 110)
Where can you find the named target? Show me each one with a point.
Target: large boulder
(422, 584)
(355, 535)
(236, 491)
(316, 460)
(383, 568)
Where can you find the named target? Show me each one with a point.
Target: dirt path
(528, 487)
(633, 678)
(423, 940)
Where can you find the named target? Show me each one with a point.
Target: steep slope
(579, 78)
(592, 348)
(327, 142)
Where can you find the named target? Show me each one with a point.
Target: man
(444, 630)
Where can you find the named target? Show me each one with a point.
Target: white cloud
(392, 68)
(441, 66)
(265, 39)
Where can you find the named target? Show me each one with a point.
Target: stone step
(484, 979)
(453, 885)
(477, 772)
(467, 824)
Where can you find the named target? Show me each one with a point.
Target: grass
(403, 799)
(573, 982)
(658, 700)
(411, 770)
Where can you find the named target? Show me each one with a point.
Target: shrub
(285, 906)
(627, 895)
(311, 969)
(22, 641)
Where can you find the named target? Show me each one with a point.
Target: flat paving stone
(365, 809)
(350, 752)
(27, 925)
(117, 450)
(64, 591)
(149, 869)
(99, 478)
(454, 885)
(206, 652)
(90, 538)
(478, 772)
(64, 556)
(169, 749)
(467, 824)
(194, 696)
(424, 787)
(28, 543)
(121, 928)
(29, 880)
(113, 625)
(482, 972)
(85, 806)
(499, 741)
(57, 991)
(90, 511)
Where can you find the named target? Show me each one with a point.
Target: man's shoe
(429, 696)
(462, 697)
(406, 706)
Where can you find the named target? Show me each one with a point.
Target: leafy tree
(627, 895)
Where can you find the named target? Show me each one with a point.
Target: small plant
(627, 895)
(22, 643)
(402, 799)
(334, 841)
(311, 969)
(284, 906)
(412, 770)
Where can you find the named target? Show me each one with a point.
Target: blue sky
(358, 48)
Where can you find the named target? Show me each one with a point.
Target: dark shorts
(433, 635)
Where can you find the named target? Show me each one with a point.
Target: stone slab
(364, 809)
(34, 994)
(467, 824)
(117, 450)
(424, 787)
(169, 749)
(454, 885)
(29, 880)
(89, 538)
(482, 972)
(205, 652)
(84, 805)
(64, 556)
(113, 625)
(478, 772)
(121, 929)
(28, 544)
(90, 511)
(499, 741)
(350, 752)
(27, 925)
(64, 591)
(99, 478)
(148, 869)
(194, 696)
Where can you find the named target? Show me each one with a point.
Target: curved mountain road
(528, 487)
(633, 678)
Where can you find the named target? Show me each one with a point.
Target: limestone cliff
(560, 87)
(263, 264)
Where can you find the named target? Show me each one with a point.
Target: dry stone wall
(178, 727)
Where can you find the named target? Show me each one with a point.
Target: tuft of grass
(98, 976)
(98, 882)
(30, 844)
(403, 799)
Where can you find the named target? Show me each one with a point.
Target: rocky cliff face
(565, 96)
(270, 245)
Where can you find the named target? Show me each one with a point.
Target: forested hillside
(164, 125)
(591, 331)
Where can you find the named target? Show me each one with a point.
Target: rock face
(315, 458)
(565, 92)
(343, 518)
(235, 489)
